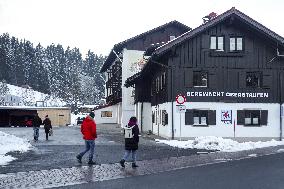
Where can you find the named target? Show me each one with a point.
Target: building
(223, 78)
(127, 58)
(19, 115)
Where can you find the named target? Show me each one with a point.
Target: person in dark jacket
(47, 126)
(36, 124)
(89, 131)
(131, 142)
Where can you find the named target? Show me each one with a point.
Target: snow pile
(220, 144)
(10, 143)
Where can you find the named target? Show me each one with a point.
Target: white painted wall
(147, 117)
(130, 58)
(113, 119)
(158, 128)
(144, 122)
(220, 129)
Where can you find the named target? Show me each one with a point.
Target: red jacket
(89, 129)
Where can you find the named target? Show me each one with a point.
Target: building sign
(227, 94)
(226, 116)
(181, 108)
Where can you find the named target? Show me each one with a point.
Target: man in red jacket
(88, 129)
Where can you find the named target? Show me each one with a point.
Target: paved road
(61, 149)
(266, 172)
(52, 164)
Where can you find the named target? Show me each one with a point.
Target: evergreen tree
(3, 91)
(53, 70)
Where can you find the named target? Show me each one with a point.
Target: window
(157, 84)
(200, 117)
(197, 117)
(161, 80)
(252, 117)
(236, 43)
(217, 43)
(253, 79)
(106, 114)
(199, 79)
(164, 80)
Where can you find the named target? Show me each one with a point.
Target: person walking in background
(131, 135)
(36, 125)
(47, 126)
(89, 131)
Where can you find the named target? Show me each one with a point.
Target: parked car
(29, 123)
(80, 120)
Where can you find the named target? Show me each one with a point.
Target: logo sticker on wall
(226, 116)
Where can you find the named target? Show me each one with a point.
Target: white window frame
(236, 44)
(217, 43)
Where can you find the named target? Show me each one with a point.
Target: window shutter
(212, 80)
(163, 119)
(153, 117)
(242, 80)
(189, 117)
(166, 119)
(212, 117)
(267, 80)
(188, 77)
(241, 117)
(263, 117)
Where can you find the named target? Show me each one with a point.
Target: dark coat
(47, 124)
(37, 121)
(132, 143)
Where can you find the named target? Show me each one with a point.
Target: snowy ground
(220, 144)
(9, 143)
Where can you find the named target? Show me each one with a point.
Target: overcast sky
(99, 24)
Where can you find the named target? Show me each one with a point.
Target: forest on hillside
(53, 70)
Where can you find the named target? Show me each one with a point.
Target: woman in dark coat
(131, 141)
(47, 126)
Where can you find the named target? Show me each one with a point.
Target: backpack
(128, 132)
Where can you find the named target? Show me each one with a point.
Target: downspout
(141, 116)
(280, 102)
(172, 97)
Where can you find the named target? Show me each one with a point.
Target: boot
(91, 162)
(134, 165)
(122, 163)
(79, 159)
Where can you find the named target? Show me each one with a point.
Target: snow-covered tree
(3, 91)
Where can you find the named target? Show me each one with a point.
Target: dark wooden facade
(113, 84)
(226, 71)
(141, 42)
